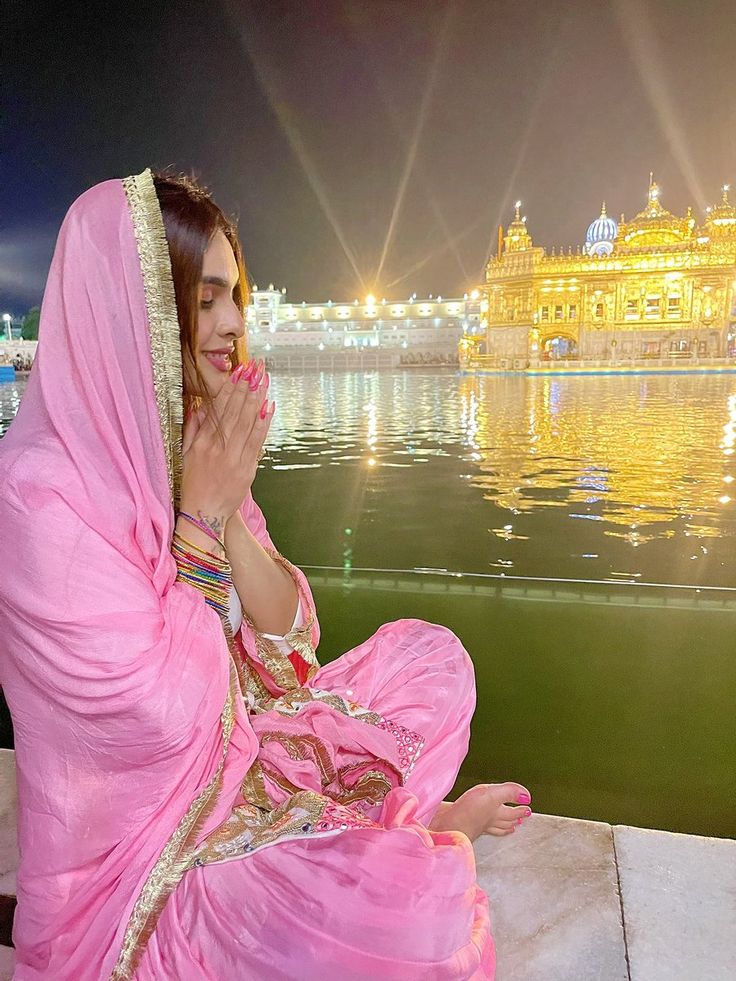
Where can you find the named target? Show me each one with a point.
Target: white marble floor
(570, 900)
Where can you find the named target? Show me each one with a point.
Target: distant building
(364, 333)
(659, 288)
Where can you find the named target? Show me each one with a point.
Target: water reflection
(637, 453)
(597, 477)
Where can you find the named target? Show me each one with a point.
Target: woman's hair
(191, 218)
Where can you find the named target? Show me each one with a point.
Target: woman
(197, 798)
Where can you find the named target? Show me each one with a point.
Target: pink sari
(189, 807)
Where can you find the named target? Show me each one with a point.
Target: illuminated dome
(655, 226)
(721, 220)
(601, 235)
(517, 237)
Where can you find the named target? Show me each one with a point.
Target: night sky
(315, 122)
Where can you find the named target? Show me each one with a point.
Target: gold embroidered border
(174, 859)
(163, 322)
(292, 702)
(165, 344)
(248, 828)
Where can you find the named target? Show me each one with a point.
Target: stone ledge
(571, 900)
(679, 900)
(578, 900)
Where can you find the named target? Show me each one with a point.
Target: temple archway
(559, 347)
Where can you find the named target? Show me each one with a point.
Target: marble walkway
(571, 900)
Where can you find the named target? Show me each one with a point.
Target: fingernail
(249, 369)
(268, 380)
(264, 409)
(524, 799)
(273, 408)
(237, 374)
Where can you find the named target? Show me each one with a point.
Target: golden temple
(657, 292)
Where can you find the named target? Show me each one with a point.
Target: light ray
(435, 253)
(416, 137)
(269, 85)
(641, 38)
(526, 137)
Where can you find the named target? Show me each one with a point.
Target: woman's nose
(233, 323)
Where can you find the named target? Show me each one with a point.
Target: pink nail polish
(236, 375)
(264, 409)
(524, 799)
(248, 370)
(528, 812)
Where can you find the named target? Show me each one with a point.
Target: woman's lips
(220, 361)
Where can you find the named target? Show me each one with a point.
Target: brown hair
(191, 218)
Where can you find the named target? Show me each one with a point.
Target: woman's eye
(206, 304)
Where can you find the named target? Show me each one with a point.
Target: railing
(489, 362)
(613, 593)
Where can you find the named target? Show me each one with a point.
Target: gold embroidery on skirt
(248, 828)
(293, 701)
(371, 786)
(253, 788)
(304, 747)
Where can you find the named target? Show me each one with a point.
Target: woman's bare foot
(484, 810)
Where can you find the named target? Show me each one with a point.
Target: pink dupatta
(118, 678)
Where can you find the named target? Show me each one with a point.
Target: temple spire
(653, 195)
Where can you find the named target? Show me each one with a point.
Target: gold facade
(659, 289)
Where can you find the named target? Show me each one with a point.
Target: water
(612, 700)
(593, 478)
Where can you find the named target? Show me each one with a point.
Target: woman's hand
(222, 444)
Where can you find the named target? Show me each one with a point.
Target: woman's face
(220, 322)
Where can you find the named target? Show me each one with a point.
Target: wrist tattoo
(215, 524)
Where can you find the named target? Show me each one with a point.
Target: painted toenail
(524, 799)
(528, 812)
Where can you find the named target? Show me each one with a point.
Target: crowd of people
(424, 357)
(22, 362)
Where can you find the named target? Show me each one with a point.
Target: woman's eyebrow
(216, 281)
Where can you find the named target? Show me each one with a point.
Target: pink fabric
(397, 904)
(116, 676)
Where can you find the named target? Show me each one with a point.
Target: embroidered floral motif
(293, 701)
(410, 744)
(248, 828)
